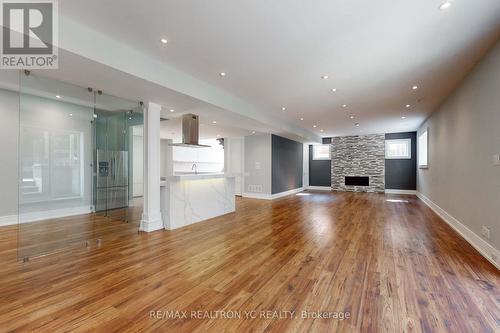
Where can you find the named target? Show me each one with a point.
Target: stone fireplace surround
(360, 155)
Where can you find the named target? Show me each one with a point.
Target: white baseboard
(44, 215)
(266, 196)
(408, 192)
(252, 195)
(483, 247)
(151, 223)
(284, 194)
(8, 220)
(320, 188)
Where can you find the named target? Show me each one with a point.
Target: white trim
(151, 223)
(398, 157)
(8, 220)
(263, 196)
(319, 188)
(419, 136)
(329, 158)
(484, 248)
(408, 192)
(44, 215)
(284, 194)
(267, 196)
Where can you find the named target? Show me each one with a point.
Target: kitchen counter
(188, 198)
(200, 175)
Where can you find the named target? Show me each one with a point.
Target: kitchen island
(188, 198)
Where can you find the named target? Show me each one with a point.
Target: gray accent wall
(287, 164)
(464, 135)
(362, 155)
(320, 172)
(401, 174)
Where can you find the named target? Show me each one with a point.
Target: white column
(151, 215)
(167, 158)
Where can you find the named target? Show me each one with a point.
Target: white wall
(233, 156)
(208, 159)
(50, 116)
(9, 124)
(464, 134)
(257, 164)
(305, 167)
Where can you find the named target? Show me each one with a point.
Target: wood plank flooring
(393, 266)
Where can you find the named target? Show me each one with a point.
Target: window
(321, 152)
(398, 149)
(423, 152)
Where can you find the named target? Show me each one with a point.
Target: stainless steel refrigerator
(112, 180)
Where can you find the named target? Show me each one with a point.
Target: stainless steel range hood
(190, 132)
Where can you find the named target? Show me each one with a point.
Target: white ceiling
(82, 73)
(275, 52)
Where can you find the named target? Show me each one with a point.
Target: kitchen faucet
(195, 167)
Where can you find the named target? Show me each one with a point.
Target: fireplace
(357, 181)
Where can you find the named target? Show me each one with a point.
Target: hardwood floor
(393, 266)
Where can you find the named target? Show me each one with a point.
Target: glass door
(114, 120)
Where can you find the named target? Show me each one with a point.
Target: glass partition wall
(118, 158)
(76, 165)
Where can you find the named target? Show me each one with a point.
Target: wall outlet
(485, 231)
(255, 188)
(494, 258)
(496, 160)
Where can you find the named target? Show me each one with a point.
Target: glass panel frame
(54, 165)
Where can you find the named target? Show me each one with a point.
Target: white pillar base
(150, 224)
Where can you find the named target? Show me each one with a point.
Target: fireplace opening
(357, 181)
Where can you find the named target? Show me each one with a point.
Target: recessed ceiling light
(351, 116)
(283, 108)
(445, 5)
(58, 96)
(95, 115)
(164, 41)
(172, 110)
(315, 126)
(324, 77)
(321, 130)
(408, 105)
(414, 87)
(403, 117)
(357, 124)
(253, 132)
(214, 122)
(334, 89)
(222, 74)
(344, 105)
(301, 118)
(71, 115)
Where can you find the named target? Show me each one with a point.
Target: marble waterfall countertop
(188, 198)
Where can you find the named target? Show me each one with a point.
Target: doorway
(118, 158)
